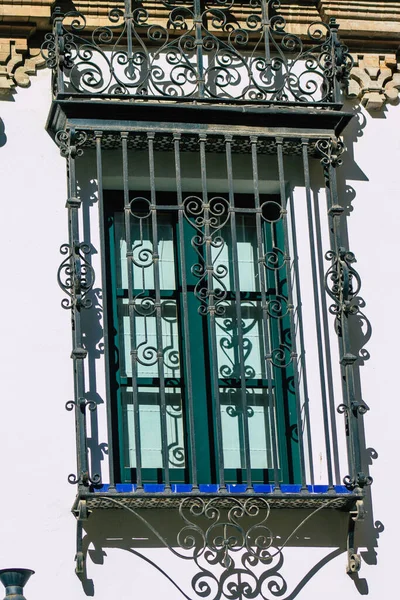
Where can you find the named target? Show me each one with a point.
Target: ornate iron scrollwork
(360, 481)
(233, 548)
(82, 404)
(84, 479)
(208, 218)
(330, 151)
(342, 283)
(71, 142)
(76, 276)
(198, 50)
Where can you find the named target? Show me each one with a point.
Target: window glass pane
(260, 414)
(229, 352)
(150, 427)
(142, 247)
(246, 248)
(146, 338)
(120, 251)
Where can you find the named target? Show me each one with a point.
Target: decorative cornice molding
(17, 63)
(375, 80)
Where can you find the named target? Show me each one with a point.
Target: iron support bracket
(81, 513)
(353, 557)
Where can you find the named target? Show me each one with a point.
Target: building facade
(199, 166)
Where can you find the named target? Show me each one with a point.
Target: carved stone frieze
(375, 80)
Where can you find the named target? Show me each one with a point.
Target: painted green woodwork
(201, 360)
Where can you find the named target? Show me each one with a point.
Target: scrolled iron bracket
(236, 538)
(70, 142)
(353, 557)
(360, 481)
(58, 47)
(342, 284)
(330, 151)
(84, 479)
(356, 407)
(82, 404)
(81, 513)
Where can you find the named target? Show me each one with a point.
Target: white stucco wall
(37, 435)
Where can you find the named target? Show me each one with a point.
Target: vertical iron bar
(185, 310)
(128, 23)
(59, 42)
(347, 359)
(131, 309)
(264, 307)
(336, 48)
(158, 307)
(266, 25)
(103, 250)
(307, 183)
(236, 287)
(211, 312)
(78, 352)
(197, 8)
(279, 142)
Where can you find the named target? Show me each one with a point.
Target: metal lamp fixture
(14, 581)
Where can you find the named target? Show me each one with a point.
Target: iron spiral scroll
(200, 49)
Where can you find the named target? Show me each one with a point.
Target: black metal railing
(218, 51)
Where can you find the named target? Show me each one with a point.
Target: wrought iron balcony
(166, 93)
(218, 51)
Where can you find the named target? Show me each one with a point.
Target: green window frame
(196, 424)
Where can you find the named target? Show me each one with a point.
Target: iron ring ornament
(195, 50)
(357, 407)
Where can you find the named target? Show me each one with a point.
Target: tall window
(203, 376)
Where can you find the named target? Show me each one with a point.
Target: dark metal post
(197, 9)
(76, 279)
(59, 43)
(14, 581)
(343, 284)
